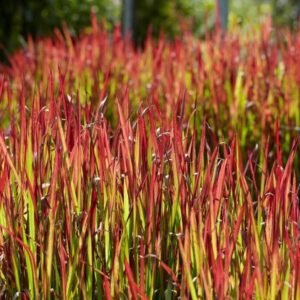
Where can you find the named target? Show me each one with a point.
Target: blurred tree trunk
(222, 13)
(128, 18)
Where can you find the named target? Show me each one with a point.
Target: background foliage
(286, 11)
(20, 18)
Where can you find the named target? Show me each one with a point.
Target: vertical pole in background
(222, 13)
(127, 18)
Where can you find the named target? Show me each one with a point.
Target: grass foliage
(167, 172)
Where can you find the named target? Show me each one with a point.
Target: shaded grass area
(165, 172)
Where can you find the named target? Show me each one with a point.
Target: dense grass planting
(167, 172)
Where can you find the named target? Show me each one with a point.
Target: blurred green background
(20, 18)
